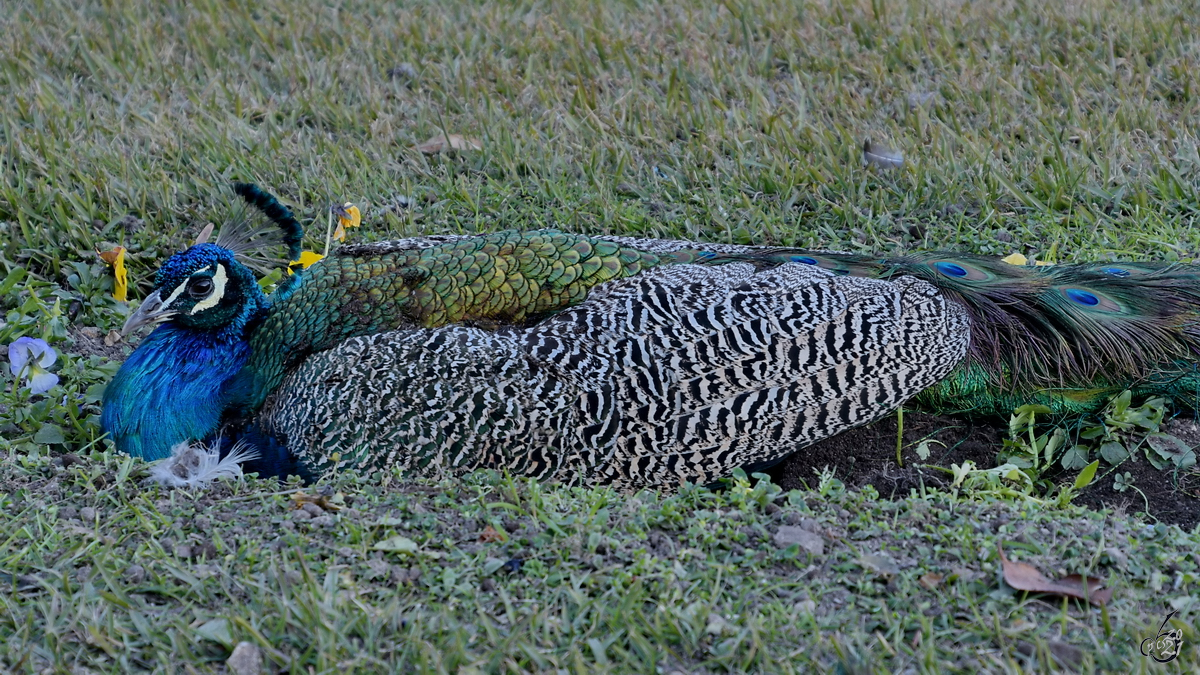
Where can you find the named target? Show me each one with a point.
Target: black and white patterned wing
(681, 373)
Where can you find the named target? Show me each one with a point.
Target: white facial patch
(218, 279)
(181, 288)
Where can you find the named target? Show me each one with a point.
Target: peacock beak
(151, 311)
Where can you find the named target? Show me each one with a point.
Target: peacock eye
(200, 287)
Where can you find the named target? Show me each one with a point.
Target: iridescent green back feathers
(505, 278)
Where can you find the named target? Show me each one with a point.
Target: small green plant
(1122, 430)
(1085, 478)
(47, 397)
(1122, 481)
(744, 495)
(828, 485)
(1123, 427)
(1165, 451)
(1033, 454)
(1024, 448)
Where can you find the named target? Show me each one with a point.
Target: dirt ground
(867, 456)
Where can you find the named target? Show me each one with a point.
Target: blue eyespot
(1115, 271)
(950, 269)
(1082, 297)
(804, 259)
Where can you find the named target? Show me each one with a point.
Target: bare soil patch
(867, 456)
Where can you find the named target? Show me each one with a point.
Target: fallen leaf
(880, 564)
(110, 257)
(348, 216)
(1019, 259)
(441, 143)
(1067, 655)
(397, 544)
(113, 337)
(402, 544)
(930, 580)
(326, 502)
(964, 574)
(881, 156)
(1026, 577)
(216, 630)
(491, 535)
(306, 259)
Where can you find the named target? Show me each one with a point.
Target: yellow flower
(116, 258)
(306, 259)
(348, 216)
(1018, 259)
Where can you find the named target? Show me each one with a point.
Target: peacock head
(211, 287)
(203, 288)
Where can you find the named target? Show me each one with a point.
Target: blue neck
(171, 390)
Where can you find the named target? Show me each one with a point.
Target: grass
(120, 577)
(1060, 130)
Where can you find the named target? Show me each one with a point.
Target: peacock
(614, 360)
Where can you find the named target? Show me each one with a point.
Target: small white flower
(29, 358)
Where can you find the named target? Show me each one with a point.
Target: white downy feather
(198, 465)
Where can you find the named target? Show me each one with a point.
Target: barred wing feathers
(680, 373)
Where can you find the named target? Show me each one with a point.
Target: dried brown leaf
(1026, 577)
(110, 257)
(442, 143)
(328, 503)
(930, 580)
(491, 535)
